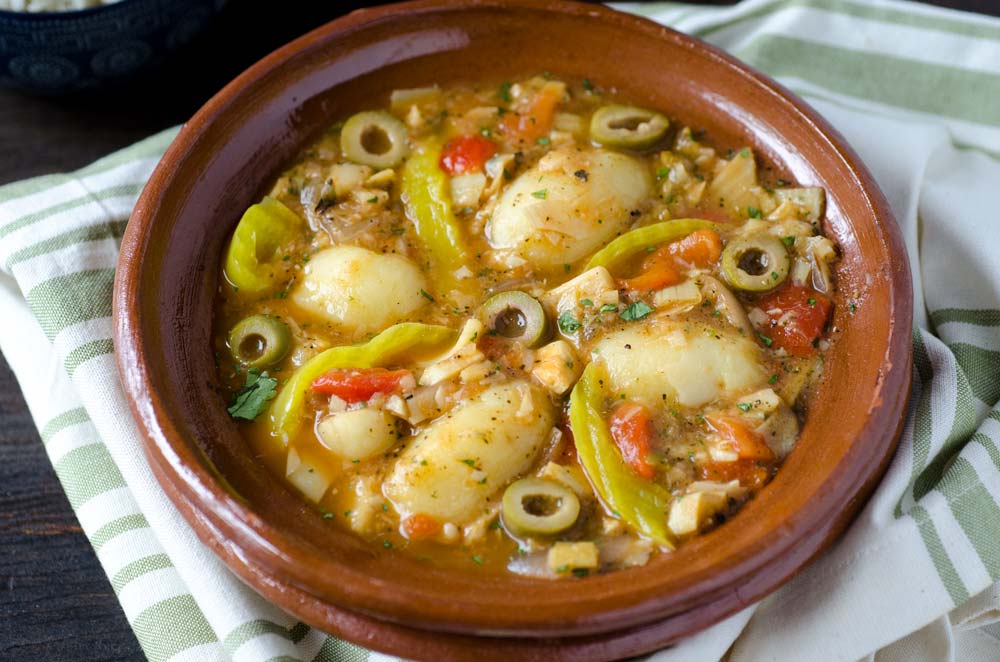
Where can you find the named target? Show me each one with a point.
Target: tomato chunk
(750, 473)
(632, 431)
(666, 265)
(420, 527)
(359, 384)
(748, 444)
(537, 121)
(796, 316)
(466, 154)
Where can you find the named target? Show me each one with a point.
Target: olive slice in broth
(517, 316)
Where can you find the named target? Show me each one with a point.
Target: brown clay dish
(227, 153)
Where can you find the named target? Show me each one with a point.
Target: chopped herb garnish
(567, 268)
(478, 559)
(773, 379)
(753, 212)
(744, 406)
(426, 295)
(745, 153)
(774, 275)
(661, 173)
(636, 311)
(327, 515)
(544, 140)
(250, 401)
(852, 307)
(385, 507)
(788, 241)
(587, 85)
(540, 194)
(372, 200)
(485, 132)
(283, 294)
(764, 339)
(504, 92)
(811, 301)
(562, 568)
(608, 308)
(586, 303)
(568, 323)
(782, 182)
(469, 462)
(387, 544)
(581, 572)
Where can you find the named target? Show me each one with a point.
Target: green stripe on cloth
(86, 472)
(976, 317)
(113, 230)
(952, 583)
(335, 650)
(975, 510)
(921, 415)
(938, 22)
(170, 627)
(115, 191)
(63, 421)
(87, 351)
(283, 658)
(989, 446)
(66, 300)
(138, 568)
(298, 632)
(251, 630)
(922, 86)
(983, 368)
(117, 527)
(963, 425)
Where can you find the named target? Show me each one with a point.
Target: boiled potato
(568, 205)
(358, 434)
(358, 289)
(673, 361)
(454, 468)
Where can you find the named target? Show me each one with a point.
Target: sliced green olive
(516, 316)
(627, 126)
(755, 263)
(259, 341)
(534, 506)
(374, 138)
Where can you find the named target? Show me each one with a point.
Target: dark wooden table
(55, 601)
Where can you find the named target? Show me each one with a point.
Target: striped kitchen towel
(915, 90)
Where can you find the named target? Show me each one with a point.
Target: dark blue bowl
(59, 52)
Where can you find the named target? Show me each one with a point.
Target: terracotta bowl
(226, 156)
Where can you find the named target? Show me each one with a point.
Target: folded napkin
(915, 90)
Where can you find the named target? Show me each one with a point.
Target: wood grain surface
(55, 601)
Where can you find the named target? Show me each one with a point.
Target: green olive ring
(259, 341)
(374, 138)
(515, 315)
(756, 263)
(627, 126)
(535, 506)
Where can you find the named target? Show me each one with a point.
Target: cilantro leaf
(568, 323)
(250, 401)
(636, 311)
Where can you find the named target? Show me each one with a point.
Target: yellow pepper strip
(427, 202)
(640, 503)
(641, 239)
(262, 230)
(410, 338)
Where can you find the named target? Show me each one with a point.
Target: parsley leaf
(636, 311)
(753, 212)
(745, 153)
(788, 241)
(540, 194)
(568, 323)
(505, 92)
(608, 308)
(744, 406)
(426, 295)
(250, 401)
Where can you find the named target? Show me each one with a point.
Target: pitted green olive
(516, 316)
(535, 506)
(374, 138)
(259, 341)
(627, 126)
(756, 263)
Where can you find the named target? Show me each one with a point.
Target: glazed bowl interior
(229, 153)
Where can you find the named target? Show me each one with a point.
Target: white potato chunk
(307, 476)
(690, 512)
(668, 360)
(346, 177)
(455, 467)
(556, 366)
(358, 289)
(359, 433)
(568, 205)
(566, 556)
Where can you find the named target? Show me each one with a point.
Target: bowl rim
(165, 447)
(68, 13)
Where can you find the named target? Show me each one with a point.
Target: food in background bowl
(528, 326)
